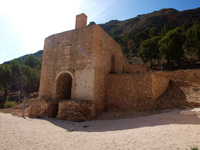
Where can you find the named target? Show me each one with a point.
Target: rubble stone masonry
(134, 92)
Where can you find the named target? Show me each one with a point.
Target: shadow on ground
(162, 119)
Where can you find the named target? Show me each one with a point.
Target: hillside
(157, 19)
(38, 54)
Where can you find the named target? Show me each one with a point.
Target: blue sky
(24, 24)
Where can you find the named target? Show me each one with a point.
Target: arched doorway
(63, 86)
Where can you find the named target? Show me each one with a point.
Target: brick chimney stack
(81, 21)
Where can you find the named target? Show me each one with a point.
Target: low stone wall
(129, 92)
(42, 108)
(134, 92)
(192, 75)
(152, 91)
(76, 110)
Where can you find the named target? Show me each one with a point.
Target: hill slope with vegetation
(166, 35)
(156, 19)
(38, 54)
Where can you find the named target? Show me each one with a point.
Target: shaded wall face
(109, 59)
(68, 51)
(110, 56)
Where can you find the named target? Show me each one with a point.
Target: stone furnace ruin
(74, 67)
(85, 73)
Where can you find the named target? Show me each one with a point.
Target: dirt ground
(165, 131)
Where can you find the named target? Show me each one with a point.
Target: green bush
(194, 148)
(70, 129)
(9, 104)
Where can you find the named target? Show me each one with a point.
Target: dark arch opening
(113, 64)
(63, 86)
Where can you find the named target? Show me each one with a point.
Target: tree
(153, 32)
(5, 82)
(131, 46)
(185, 27)
(30, 79)
(171, 45)
(165, 30)
(141, 36)
(32, 62)
(149, 49)
(16, 75)
(193, 40)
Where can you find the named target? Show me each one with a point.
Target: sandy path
(156, 132)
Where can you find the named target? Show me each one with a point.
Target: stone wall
(72, 110)
(183, 90)
(192, 75)
(129, 92)
(134, 92)
(153, 91)
(76, 110)
(179, 94)
(42, 108)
